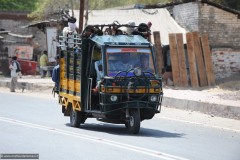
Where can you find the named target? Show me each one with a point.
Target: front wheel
(75, 118)
(133, 124)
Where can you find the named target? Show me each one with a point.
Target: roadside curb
(226, 111)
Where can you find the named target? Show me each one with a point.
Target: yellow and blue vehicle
(110, 76)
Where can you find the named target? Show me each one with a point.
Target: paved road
(36, 125)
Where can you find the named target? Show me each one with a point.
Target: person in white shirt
(13, 66)
(99, 69)
(69, 33)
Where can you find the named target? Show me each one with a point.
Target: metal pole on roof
(81, 12)
(72, 7)
(86, 13)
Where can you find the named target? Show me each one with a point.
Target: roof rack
(103, 29)
(113, 29)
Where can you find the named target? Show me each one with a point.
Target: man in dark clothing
(56, 74)
(143, 29)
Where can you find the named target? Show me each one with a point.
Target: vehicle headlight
(153, 98)
(137, 72)
(113, 98)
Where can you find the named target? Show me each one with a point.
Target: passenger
(131, 27)
(112, 59)
(99, 69)
(142, 30)
(56, 74)
(89, 31)
(144, 64)
(96, 54)
(119, 32)
(107, 31)
(69, 32)
(149, 24)
(93, 72)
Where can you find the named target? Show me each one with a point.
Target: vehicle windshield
(123, 59)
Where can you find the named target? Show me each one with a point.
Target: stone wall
(186, 15)
(222, 27)
(226, 62)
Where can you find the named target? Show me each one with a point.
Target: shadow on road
(121, 130)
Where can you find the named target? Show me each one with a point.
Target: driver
(125, 63)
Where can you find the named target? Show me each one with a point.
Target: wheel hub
(131, 121)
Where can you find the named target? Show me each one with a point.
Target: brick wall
(187, 15)
(226, 62)
(223, 27)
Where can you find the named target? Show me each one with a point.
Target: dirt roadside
(226, 92)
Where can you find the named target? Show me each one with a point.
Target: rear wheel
(75, 118)
(133, 124)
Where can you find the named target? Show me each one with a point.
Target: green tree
(235, 4)
(41, 9)
(49, 7)
(18, 5)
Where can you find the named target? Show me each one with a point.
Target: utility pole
(81, 13)
(72, 8)
(86, 13)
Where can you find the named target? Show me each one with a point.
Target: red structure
(28, 67)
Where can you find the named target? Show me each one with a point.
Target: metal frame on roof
(121, 40)
(96, 34)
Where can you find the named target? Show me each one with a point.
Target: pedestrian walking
(15, 68)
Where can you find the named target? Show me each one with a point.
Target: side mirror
(100, 67)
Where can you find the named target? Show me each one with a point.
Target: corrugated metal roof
(120, 40)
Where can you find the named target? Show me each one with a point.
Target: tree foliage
(18, 5)
(49, 7)
(102, 4)
(41, 8)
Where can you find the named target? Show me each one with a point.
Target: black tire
(126, 125)
(66, 112)
(75, 118)
(133, 124)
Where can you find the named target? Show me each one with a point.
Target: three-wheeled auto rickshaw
(110, 75)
